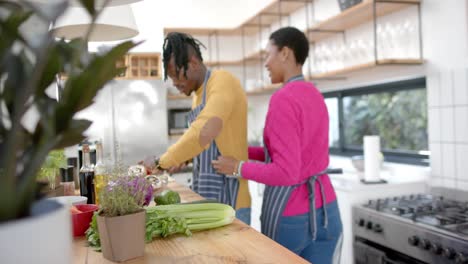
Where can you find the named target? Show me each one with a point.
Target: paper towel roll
(371, 158)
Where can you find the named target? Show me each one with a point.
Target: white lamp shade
(114, 23)
(111, 2)
(98, 3)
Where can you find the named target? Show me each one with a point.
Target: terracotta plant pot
(122, 237)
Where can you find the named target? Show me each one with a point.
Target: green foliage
(25, 73)
(55, 160)
(399, 118)
(92, 234)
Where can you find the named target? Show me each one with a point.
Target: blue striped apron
(275, 198)
(206, 181)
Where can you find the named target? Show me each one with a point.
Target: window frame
(392, 155)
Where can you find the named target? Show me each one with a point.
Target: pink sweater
(296, 135)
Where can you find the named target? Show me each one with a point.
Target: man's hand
(226, 165)
(150, 167)
(178, 168)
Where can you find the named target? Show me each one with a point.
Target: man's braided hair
(181, 46)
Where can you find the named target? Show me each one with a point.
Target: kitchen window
(397, 112)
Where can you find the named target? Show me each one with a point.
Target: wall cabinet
(141, 66)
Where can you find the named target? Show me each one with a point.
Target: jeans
(243, 214)
(327, 246)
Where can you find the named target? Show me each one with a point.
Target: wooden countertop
(234, 243)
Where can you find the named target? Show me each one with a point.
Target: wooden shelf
(177, 97)
(271, 13)
(354, 16)
(252, 25)
(256, 56)
(355, 68)
(265, 90)
(175, 136)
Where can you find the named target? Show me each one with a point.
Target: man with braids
(218, 123)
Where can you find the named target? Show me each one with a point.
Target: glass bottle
(87, 176)
(73, 162)
(100, 172)
(68, 182)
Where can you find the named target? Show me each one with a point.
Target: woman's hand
(226, 165)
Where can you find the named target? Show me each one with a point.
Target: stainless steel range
(417, 228)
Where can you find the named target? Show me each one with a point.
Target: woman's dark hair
(181, 46)
(294, 39)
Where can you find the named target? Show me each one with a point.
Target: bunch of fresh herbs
(125, 195)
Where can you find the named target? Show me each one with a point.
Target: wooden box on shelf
(144, 65)
(122, 62)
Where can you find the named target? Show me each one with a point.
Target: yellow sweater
(226, 100)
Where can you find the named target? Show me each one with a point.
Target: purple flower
(149, 195)
(136, 186)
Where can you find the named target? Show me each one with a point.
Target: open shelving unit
(253, 57)
(140, 66)
(144, 65)
(364, 12)
(265, 90)
(364, 66)
(356, 15)
(177, 97)
(274, 12)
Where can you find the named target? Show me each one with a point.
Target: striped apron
(206, 181)
(275, 198)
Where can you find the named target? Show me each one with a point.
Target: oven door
(367, 252)
(178, 121)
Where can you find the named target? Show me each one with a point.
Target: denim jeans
(243, 214)
(327, 246)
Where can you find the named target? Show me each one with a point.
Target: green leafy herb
(92, 234)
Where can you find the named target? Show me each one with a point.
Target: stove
(416, 228)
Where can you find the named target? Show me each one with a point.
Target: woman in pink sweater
(299, 196)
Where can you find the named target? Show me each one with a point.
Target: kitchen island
(234, 243)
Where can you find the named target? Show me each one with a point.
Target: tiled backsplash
(448, 127)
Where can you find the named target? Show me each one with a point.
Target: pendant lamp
(98, 3)
(114, 23)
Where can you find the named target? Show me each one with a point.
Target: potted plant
(121, 217)
(49, 173)
(27, 69)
